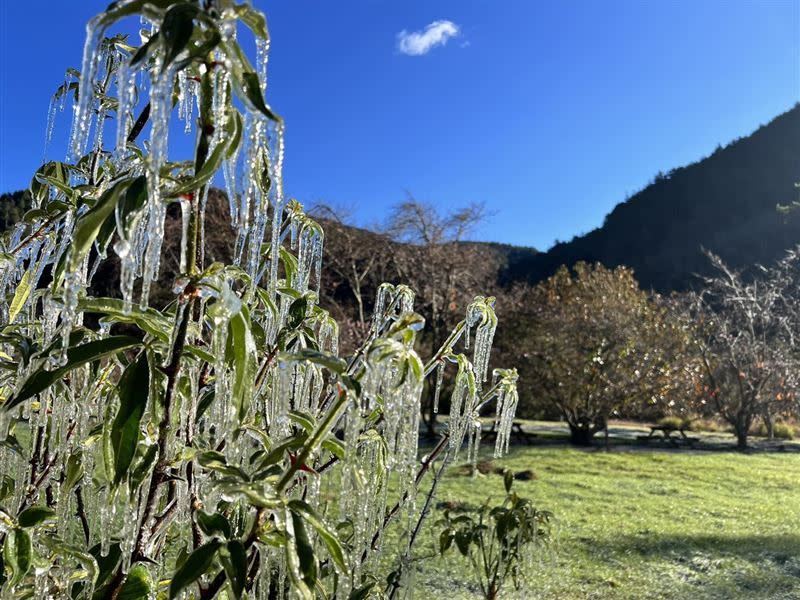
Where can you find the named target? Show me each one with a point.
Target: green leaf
(445, 540)
(138, 585)
(120, 9)
(107, 566)
(295, 564)
(176, 30)
(88, 225)
(35, 515)
(133, 199)
(149, 320)
(20, 296)
(254, 19)
(77, 356)
(133, 389)
(143, 467)
(215, 461)
(363, 592)
(74, 471)
(335, 447)
(508, 479)
(256, 494)
(236, 136)
(17, 554)
(326, 534)
(195, 566)
(329, 361)
(305, 420)
(248, 86)
(242, 361)
(462, 541)
(213, 523)
(234, 561)
(297, 312)
(212, 163)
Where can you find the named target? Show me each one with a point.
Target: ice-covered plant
(218, 445)
(499, 541)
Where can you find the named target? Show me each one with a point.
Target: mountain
(725, 203)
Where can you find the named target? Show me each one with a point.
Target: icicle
(51, 122)
(262, 59)
(126, 92)
(186, 213)
(438, 388)
(83, 113)
(160, 108)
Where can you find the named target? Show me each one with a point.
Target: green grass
(644, 524)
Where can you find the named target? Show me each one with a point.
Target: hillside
(724, 202)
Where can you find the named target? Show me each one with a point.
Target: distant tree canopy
(12, 207)
(594, 345)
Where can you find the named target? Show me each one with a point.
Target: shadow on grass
(758, 566)
(747, 546)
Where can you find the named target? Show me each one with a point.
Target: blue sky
(549, 112)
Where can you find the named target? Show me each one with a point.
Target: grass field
(645, 524)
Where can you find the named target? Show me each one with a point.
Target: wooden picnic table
(667, 434)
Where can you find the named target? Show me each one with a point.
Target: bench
(667, 434)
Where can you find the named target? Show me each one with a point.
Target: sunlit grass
(645, 524)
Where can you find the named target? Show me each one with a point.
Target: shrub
(672, 422)
(499, 541)
(781, 431)
(189, 449)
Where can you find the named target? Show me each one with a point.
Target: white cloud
(417, 43)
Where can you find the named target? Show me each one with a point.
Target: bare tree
(444, 269)
(746, 334)
(358, 262)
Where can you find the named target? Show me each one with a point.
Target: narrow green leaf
(88, 226)
(254, 19)
(138, 585)
(35, 515)
(77, 356)
(234, 561)
(210, 166)
(326, 534)
(305, 420)
(329, 361)
(211, 524)
(131, 201)
(176, 30)
(20, 296)
(148, 320)
(242, 355)
(335, 447)
(133, 389)
(17, 554)
(292, 557)
(194, 567)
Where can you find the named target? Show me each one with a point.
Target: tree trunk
(741, 439)
(769, 423)
(581, 434)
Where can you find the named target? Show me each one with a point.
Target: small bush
(675, 422)
(710, 425)
(780, 431)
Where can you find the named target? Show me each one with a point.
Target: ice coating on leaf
(462, 404)
(480, 314)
